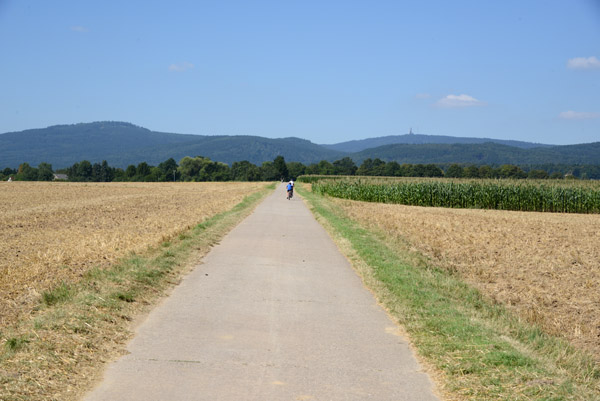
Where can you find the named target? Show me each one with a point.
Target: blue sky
(326, 71)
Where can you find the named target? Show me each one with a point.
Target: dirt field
(54, 232)
(546, 266)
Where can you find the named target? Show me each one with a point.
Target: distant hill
(229, 149)
(64, 145)
(121, 144)
(417, 139)
(486, 153)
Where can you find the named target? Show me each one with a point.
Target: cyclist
(290, 190)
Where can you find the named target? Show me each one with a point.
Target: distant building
(61, 177)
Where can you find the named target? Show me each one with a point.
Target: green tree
(72, 172)
(378, 168)
(312, 169)
(296, 169)
(418, 170)
(431, 170)
(142, 170)
(190, 167)
(45, 172)
(268, 172)
(281, 167)
(102, 172)
(325, 168)
(245, 171)
(590, 172)
(214, 171)
(7, 173)
(511, 171)
(130, 172)
(455, 171)
(374, 167)
(392, 169)
(366, 168)
(537, 174)
(203, 169)
(119, 174)
(486, 172)
(168, 169)
(344, 166)
(155, 175)
(107, 173)
(406, 170)
(26, 173)
(471, 172)
(84, 171)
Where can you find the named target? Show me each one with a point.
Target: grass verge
(478, 349)
(59, 351)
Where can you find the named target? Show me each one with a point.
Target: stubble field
(545, 266)
(55, 232)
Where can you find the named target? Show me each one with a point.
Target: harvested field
(546, 266)
(55, 232)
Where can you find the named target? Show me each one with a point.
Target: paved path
(275, 312)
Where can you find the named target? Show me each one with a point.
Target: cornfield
(499, 195)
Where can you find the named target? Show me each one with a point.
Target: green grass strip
(483, 351)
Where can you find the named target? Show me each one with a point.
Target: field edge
(61, 350)
(474, 348)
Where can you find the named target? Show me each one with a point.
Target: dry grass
(57, 351)
(545, 266)
(55, 232)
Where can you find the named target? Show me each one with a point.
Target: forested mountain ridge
(418, 139)
(229, 149)
(63, 145)
(122, 144)
(485, 153)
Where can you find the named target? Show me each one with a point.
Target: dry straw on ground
(545, 266)
(54, 232)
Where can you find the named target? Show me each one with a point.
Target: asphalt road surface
(274, 312)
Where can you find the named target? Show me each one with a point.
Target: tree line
(204, 169)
